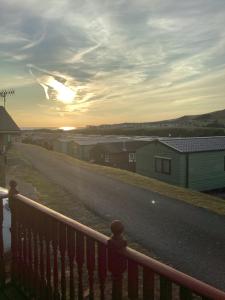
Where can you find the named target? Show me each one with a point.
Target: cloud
(34, 42)
(111, 56)
(165, 24)
(68, 93)
(53, 86)
(78, 57)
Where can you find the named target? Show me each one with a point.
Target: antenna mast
(5, 93)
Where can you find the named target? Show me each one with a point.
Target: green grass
(208, 202)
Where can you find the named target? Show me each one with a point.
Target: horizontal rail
(174, 275)
(63, 219)
(159, 268)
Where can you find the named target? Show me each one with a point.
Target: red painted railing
(55, 257)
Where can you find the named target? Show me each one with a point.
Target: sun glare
(67, 128)
(63, 93)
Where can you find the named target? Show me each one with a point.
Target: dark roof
(103, 139)
(118, 147)
(7, 125)
(196, 144)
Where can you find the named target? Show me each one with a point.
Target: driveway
(190, 239)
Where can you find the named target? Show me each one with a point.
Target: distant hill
(214, 119)
(210, 124)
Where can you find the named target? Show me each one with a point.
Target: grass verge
(198, 199)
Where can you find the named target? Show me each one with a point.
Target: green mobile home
(197, 163)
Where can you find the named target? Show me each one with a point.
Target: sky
(77, 62)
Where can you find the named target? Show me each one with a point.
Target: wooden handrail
(174, 275)
(66, 220)
(168, 272)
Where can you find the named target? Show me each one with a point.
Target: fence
(55, 257)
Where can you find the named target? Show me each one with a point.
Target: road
(190, 239)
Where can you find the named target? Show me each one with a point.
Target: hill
(213, 119)
(209, 124)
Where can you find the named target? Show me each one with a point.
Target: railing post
(2, 170)
(12, 193)
(102, 268)
(117, 264)
(3, 194)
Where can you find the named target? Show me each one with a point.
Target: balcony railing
(55, 257)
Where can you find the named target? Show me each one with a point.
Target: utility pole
(5, 93)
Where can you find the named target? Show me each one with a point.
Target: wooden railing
(55, 257)
(3, 194)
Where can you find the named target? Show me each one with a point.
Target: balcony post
(117, 263)
(3, 194)
(12, 193)
(2, 169)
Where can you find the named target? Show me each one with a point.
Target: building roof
(7, 125)
(195, 144)
(98, 139)
(118, 147)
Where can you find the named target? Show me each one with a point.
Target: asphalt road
(190, 239)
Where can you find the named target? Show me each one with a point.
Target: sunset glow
(111, 61)
(67, 128)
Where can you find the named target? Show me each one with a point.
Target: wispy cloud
(79, 57)
(33, 43)
(133, 57)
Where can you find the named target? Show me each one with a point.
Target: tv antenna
(5, 93)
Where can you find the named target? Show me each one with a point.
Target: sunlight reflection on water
(67, 128)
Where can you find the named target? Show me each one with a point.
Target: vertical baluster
(71, 255)
(2, 263)
(165, 289)
(19, 255)
(148, 284)
(36, 258)
(116, 262)
(185, 294)
(29, 265)
(48, 259)
(25, 248)
(55, 259)
(30, 259)
(14, 232)
(132, 280)
(80, 262)
(23, 255)
(14, 247)
(62, 248)
(24, 244)
(20, 246)
(90, 248)
(102, 268)
(42, 262)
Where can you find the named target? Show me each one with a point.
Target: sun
(63, 93)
